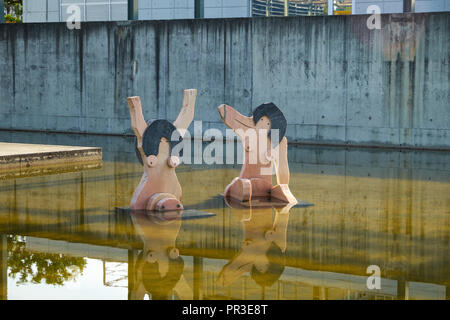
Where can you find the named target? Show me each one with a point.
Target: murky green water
(61, 237)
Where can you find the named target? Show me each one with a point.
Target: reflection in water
(37, 267)
(263, 247)
(371, 207)
(159, 266)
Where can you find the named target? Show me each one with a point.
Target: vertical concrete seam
(167, 66)
(157, 31)
(81, 64)
(345, 62)
(225, 64)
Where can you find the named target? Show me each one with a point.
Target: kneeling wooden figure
(263, 151)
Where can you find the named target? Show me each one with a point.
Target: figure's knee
(240, 189)
(260, 187)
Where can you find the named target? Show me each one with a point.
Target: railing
(279, 8)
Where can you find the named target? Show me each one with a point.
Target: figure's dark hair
(275, 269)
(152, 137)
(160, 287)
(277, 119)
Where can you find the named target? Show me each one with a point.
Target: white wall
(432, 5)
(185, 9)
(40, 10)
(91, 10)
(386, 6)
(166, 9)
(105, 10)
(396, 6)
(227, 8)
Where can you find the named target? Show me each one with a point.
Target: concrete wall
(335, 80)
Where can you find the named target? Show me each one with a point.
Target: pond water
(61, 236)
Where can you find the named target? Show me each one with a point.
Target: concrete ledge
(18, 159)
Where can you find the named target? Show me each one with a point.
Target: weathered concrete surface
(18, 159)
(336, 80)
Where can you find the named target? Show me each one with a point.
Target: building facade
(110, 10)
(60, 10)
(117, 10)
(399, 6)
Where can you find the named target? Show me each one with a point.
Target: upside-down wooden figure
(159, 188)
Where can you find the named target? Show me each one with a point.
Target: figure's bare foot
(282, 192)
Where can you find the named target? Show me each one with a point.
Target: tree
(13, 11)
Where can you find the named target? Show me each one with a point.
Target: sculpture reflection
(263, 249)
(159, 267)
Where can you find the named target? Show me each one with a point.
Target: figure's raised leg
(138, 123)
(186, 114)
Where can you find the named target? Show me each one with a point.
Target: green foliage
(11, 19)
(12, 2)
(35, 267)
(14, 11)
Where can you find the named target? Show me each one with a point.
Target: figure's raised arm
(186, 114)
(137, 118)
(233, 119)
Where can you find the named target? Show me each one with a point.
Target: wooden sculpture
(159, 188)
(261, 154)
